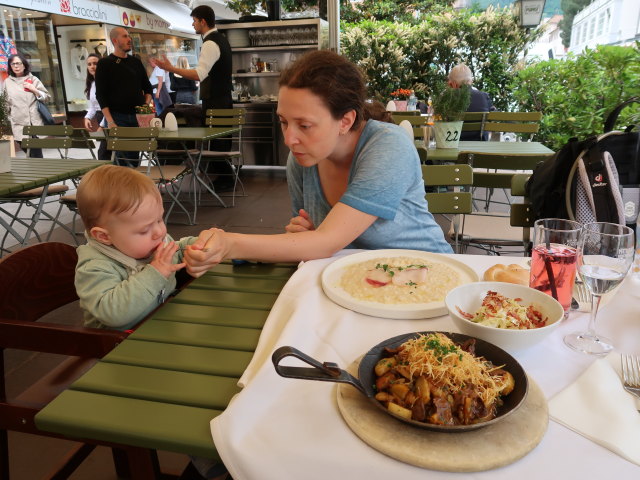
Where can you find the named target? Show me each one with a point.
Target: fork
(631, 374)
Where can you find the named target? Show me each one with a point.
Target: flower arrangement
(146, 109)
(401, 94)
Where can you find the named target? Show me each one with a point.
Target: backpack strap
(610, 122)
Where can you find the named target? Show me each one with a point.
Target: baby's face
(138, 233)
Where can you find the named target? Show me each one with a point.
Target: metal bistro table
(182, 136)
(28, 173)
(160, 388)
(499, 148)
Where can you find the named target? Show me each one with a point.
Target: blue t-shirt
(385, 180)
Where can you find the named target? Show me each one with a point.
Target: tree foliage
(419, 57)
(569, 10)
(408, 11)
(576, 95)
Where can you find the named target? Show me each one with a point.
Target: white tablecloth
(279, 428)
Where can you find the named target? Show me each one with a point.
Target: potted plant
(400, 97)
(449, 107)
(144, 114)
(6, 139)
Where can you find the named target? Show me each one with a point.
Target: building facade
(606, 22)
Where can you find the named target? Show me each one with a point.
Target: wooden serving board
(474, 451)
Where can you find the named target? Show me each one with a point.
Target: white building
(550, 44)
(606, 22)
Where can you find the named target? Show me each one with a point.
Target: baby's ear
(101, 235)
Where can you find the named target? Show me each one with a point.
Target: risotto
(399, 280)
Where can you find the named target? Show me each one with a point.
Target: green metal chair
(524, 124)
(417, 121)
(450, 197)
(474, 122)
(496, 230)
(145, 141)
(227, 117)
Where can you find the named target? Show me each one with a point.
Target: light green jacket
(117, 291)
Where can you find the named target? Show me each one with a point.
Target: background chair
(448, 201)
(522, 124)
(168, 178)
(231, 118)
(33, 282)
(493, 231)
(61, 138)
(473, 125)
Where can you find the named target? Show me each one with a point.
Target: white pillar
(333, 17)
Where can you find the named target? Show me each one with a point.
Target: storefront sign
(98, 12)
(85, 9)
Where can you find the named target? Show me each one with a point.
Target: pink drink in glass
(562, 261)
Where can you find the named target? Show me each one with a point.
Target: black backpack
(583, 180)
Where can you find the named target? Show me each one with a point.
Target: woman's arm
(342, 226)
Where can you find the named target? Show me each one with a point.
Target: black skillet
(330, 372)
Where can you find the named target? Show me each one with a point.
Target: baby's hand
(301, 223)
(163, 259)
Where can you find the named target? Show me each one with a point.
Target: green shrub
(449, 104)
(577, 94)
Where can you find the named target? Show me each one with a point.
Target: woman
(23, 92)
(94, 112)
(353, 182)
(185, 89)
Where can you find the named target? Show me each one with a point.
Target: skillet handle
(327, 371)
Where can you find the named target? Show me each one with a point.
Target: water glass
(553, 258)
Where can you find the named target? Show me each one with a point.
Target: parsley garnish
(432, 343)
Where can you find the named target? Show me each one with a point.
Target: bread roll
(507, 273)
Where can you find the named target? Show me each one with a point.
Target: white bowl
(469, 298)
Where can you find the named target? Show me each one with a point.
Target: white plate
(333, 273)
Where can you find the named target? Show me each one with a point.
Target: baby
(128, 266)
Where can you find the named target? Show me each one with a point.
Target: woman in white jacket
(23, 90)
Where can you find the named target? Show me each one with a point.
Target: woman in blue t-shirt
(354, 183)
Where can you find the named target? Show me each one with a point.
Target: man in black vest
(214, 73)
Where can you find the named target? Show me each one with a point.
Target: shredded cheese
(437, 357)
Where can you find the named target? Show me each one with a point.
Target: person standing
(23, 92)
(121, 85)
(214, 73)
(185, 88)
(94, 112)
(121, 82)
(480, 101)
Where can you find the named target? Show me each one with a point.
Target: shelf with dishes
(256, 74)
(275, 48)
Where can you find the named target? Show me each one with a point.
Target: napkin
(391, 106)
(597, 407)
(170, 122)
(408, 128)
(155, 122)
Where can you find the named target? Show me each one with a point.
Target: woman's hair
(461, 74)
(333, 78)
(90, 78)
(111, 190)
(182, 62)
(375, 110)
(25, 63)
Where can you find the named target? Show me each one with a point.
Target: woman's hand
(163, 259)
(209, 249)
(87, 124)
(301, 223)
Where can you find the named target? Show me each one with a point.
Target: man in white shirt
(214, 73)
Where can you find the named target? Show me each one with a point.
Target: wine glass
(605, 253)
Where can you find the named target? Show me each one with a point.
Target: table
(28, 173)
(182, 136)
(160, 387)
(500, 148)
(278, 428)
